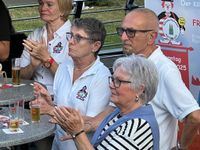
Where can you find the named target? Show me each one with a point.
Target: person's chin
(127, 51)
(45, 19)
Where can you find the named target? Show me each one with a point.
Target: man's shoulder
(162, 61)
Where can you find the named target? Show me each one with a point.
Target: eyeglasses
(116, 82)
(130, 32)
(77, 38)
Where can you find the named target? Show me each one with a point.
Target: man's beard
(127, 52)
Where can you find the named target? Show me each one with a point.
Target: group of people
(93, 109)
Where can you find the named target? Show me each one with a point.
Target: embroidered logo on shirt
(82, 93)
(58, 48)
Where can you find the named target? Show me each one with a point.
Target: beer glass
(13, 116)
(35, 112)
(21, 110)
(16, 71)
(35, 109)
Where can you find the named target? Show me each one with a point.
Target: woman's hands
(37, 50)
(46, 103)
(69, 119)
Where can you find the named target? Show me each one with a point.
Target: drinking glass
(16, 71)
(35, 109)
(21, 110)
(13, 116)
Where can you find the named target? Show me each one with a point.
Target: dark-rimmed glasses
(130, 32)
(77, 38)
(116, 82)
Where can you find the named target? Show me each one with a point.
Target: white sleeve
(176, 97)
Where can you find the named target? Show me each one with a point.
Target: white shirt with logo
(57, 48)
(89, 94)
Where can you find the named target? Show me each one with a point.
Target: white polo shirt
(172, 101)
(58, 49)
(90, 94)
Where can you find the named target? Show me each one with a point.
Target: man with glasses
(173, 101)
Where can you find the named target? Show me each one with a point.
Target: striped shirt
(134, 134)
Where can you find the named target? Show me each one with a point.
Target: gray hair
(141, 71)
(94, 28)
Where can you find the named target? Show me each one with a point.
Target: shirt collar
(155, 53)
(66, 27)
(92, 70)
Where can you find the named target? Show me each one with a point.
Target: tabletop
(22, 91)
(32, 131)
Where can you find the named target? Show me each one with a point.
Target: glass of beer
(35, 109)
(13, 117)
(16, 71)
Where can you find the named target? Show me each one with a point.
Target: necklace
(85, 67)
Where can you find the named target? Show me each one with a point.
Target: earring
(137, 99)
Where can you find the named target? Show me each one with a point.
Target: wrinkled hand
(69, 119)
(36, 49)
(87, 127)
(44, 98)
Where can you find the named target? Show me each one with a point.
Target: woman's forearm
(82, 142)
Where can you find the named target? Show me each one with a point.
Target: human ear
(152, 37)
(96, 46)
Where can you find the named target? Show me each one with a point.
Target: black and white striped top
(134, 134)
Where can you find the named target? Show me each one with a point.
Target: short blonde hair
(65, 7)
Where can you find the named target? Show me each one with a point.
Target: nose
(43, 7)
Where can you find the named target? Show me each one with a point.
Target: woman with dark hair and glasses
(82, 82)
(132, 125)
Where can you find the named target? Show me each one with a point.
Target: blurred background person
(6, 29)
(81, 83)
(132, 125)
(46, 47)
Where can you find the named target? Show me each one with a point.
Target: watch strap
(51, 60)
(77, 134)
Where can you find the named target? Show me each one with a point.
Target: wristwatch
(49, 62)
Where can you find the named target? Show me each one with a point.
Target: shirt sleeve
(177, 97)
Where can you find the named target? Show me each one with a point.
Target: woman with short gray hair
(132, 125)
(145, 73)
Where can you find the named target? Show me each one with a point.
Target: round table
(19, 92)
(32, 132)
